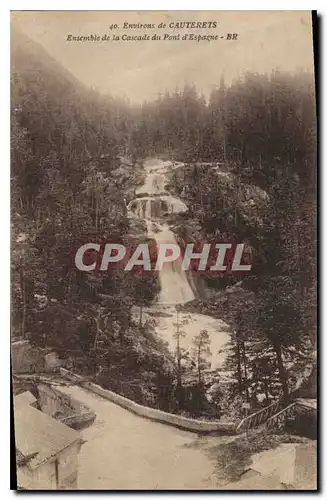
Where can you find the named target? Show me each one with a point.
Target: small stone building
(290, 466)
(46, 450)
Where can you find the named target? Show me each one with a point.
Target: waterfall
(175, 287)
(152, 205)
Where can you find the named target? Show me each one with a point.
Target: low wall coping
(188, 424)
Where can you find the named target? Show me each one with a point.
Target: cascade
(152, 204)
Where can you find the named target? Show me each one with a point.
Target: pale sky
(141, 70)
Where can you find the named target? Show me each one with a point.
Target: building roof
(36, 432)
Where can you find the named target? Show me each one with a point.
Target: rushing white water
(152, 204)
(175, 287)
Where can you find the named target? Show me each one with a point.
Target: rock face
(51, 362)
(31, 359)
(308, 388)
(26, 358)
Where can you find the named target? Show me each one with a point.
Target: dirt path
(124, 451)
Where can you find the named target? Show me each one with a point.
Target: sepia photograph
(163, 208)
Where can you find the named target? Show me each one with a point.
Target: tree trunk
(96, 214)
(239, 366)
(24, 310)
(24, 302)
(123, 327)
(281, 369)
(179, 364)
(179, 396)
(97, 333)
(141, 316)
(265, 386)
(245, 373)
(199, 367)
(69, 288)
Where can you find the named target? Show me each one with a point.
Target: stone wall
(55, 403)
(44, 477)
(68, 467)
(306, 459)
(39, 478)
